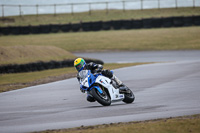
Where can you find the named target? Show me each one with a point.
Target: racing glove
(94, 67)
(107, 73)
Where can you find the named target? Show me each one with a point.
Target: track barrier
(117, 24)
(188, 21)
(45, 29)
(197, 20)
(96, 26)
(55, 28)
(127, 24)
(39, 66)
(34, 29)
(65, 27)
(76, 27)
(106, 25)
(167, 22)
(86, 26)
(137, 24)
(179, 21)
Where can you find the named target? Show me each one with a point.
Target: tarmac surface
(162, 90)
(143, 56)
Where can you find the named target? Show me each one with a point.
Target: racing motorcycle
(103, 89)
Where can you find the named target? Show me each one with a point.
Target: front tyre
(103, 99)
(129, 97)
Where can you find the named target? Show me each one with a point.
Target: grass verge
(20, 80)
(96, 15)
(187, 38)
(19, 54)
(185, 124)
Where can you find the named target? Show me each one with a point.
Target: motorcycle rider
(80, 65)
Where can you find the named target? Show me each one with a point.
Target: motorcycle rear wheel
(129, 97)
(103, 99)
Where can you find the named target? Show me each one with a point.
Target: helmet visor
(79, 67)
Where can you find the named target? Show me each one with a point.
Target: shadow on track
(112, 105)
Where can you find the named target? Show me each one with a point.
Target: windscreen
(83, 74)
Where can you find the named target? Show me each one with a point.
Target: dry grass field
(96, 15)
(20, 54)
(186, 124)
(185, 38)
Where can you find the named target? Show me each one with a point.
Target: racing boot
(122, 88)
(117, 81)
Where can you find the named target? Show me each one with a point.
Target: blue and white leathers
(89, 81)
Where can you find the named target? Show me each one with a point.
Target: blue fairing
(91, 80)
(83, 87)
(98, 88)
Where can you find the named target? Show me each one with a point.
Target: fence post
(107, 8)
(158, 4)
(2, 11)
(176, 4)
(72, 9)
(37, 6)
(193, 3)
(20, 11)
(54, 9)
(141, 4)
(90, 9)
(123, 2)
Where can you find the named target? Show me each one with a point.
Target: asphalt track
(143, 56)
(162, 90)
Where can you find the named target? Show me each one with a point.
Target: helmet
(79, 64)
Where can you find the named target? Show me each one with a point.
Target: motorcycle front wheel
(103, 99)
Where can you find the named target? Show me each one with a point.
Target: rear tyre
(129, 97)
(103, 99)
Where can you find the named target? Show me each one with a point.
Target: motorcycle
(103, 89)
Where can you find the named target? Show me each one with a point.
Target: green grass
(20, 80)
(187, 38)
(98, 16)
(187, 124)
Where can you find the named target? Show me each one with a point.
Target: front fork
(98, 89)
